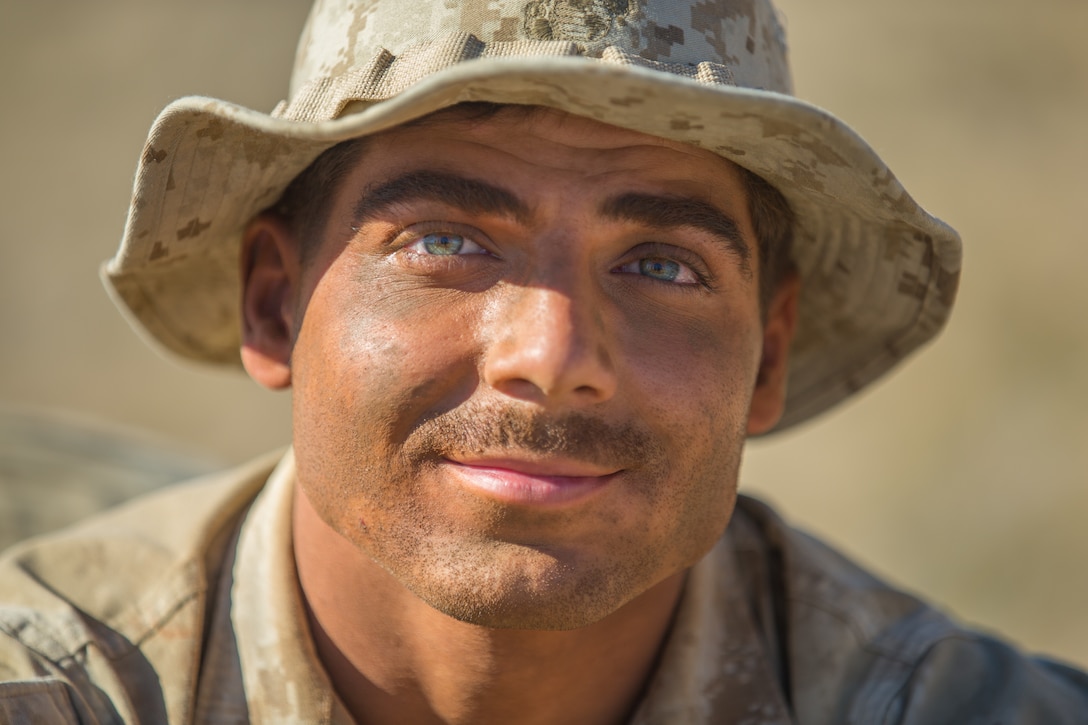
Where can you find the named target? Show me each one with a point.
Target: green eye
(443, 244)
(659, 268)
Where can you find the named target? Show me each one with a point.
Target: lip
(532, 483)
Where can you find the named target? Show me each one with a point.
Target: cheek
(370, 341)
(695, 381)
(697, 373)
(369, 363)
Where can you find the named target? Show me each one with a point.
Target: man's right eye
(445, 244)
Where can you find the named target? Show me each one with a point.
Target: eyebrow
(670, 212)
(469, 195)
(480, 197)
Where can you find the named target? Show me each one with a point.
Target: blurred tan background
(962, 476)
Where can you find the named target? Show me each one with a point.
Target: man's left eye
(662, 269)
(442, 244)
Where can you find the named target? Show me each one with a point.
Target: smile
(545, 483)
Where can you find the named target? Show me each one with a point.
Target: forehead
(544, 122)
(533, 145)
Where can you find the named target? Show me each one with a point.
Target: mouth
(548, 482)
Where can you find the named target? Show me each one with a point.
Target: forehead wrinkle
(460, 192)
(671, 212)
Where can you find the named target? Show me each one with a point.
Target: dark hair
(773, 223)
(305, 203)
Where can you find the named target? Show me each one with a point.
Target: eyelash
(658, 250)
(403, 240)
(422, 248)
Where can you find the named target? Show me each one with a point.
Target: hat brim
(879, 274)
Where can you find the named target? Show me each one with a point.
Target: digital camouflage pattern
(744, 38)
(879, 274)
(205, 623)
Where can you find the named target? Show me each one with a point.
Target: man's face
(525, 355)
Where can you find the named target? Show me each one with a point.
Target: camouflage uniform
(202, 621)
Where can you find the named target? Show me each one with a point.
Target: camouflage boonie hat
(878, 273)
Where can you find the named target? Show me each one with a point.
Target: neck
(393, 658)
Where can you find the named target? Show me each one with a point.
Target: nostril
(549, 345)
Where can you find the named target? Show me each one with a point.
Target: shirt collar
(283, 677)
(714, 667)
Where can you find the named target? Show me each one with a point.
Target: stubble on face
(486, 564)
(381, 406)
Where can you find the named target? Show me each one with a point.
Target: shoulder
(859, 650)
(105, 605)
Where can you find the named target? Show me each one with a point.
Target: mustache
(475, 428)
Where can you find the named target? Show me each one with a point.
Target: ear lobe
(270, 272)
(769, 398)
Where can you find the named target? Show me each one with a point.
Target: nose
(549, 346)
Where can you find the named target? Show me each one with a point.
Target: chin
(528, 589)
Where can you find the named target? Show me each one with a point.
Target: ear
(769, 398)
(270, 276)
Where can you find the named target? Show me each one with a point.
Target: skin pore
(524, 356)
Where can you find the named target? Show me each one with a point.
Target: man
(533, 271)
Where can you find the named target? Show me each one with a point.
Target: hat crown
(745, 36)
